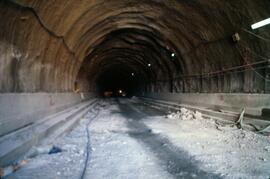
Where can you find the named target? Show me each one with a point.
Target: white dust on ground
(67, 164)
(225, 150)
(115, 154)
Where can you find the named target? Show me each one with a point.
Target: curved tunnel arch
(55, 53)
(133, 46)
(59, 57)
(64, 41)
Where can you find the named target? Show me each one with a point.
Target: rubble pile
(185, 114)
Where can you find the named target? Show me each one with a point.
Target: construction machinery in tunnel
(57, 54)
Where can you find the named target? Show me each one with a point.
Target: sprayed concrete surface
(129, 140)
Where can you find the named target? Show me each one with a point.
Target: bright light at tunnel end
(261, 24)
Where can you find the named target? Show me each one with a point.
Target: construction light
(261, 24)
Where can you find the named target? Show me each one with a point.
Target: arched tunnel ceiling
(50, 45)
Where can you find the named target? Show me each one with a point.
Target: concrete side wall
(255, 104)
(18, 110)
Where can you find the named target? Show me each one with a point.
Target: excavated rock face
(150, 45)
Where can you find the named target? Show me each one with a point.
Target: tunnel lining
(197, 42)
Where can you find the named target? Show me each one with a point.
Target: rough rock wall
(44, 44)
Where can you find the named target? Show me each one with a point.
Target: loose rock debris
(224, 148)
(185, 114)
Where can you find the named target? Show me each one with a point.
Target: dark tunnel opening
(118, 81)
(130, 61)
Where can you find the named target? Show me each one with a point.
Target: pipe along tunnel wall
(53, 51)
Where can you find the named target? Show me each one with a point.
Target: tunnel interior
(127, 60)
(187, 51)
(172, 47)
(118, 81)
(57, 58)
(153, 48)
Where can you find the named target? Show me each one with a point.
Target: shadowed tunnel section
(116, 79)
(128, 59)
(174, 158)
(170, 46)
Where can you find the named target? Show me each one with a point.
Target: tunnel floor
(130, 140)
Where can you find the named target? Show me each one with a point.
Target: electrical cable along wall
(253, 75)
